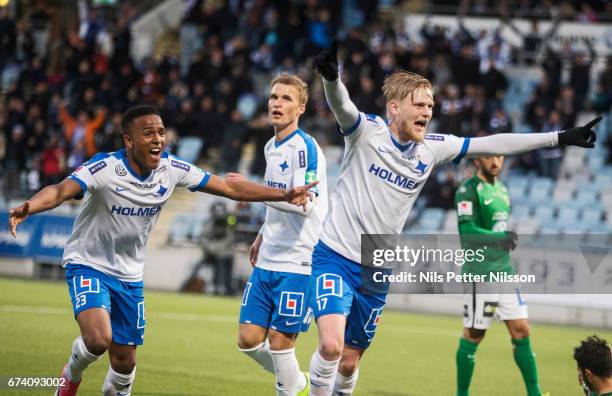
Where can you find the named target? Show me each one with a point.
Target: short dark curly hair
(134, 112)
(594, 354)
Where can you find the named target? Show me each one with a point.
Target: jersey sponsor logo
(291, 304)
(373, 321)
(390, 177)
(383, 149)
(464, 208)
(180, 165)
(162, 169)
(245, 295)
(435, 137)
(97, 167)
(302, 158)
(82, 285)
(329, 285)
(499, 216)
(143, 185)
(120, 170)
(139, 212)
(274, 184)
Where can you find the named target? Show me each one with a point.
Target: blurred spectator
(500, 122)
(550, 158)
(81, 131)
(218, 244)
(53, 165)
(580, 73)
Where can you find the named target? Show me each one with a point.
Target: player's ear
(127, 141)
(302, 108)
(393, 108)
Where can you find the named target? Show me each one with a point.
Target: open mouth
(155, 153)
(276, 113)
(421, 123)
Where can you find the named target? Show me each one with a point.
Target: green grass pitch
(190, 349)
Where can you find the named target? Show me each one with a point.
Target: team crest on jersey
(372, 323)
(97, 167)
(284, 166)
(162, 190)
(180, 165)
(84, 285)
(329, 285)
(291, 304)
(421, 167)
(120, 170)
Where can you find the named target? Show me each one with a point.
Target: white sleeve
(291, 208)
(510, 143)
(91, 175)
(188, 175)
(349, 119)
(447, 148)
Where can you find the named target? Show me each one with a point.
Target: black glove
(512, 240)
(326, 63)
(582, 136)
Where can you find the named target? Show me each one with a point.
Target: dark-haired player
(594, 361)
(104, 257)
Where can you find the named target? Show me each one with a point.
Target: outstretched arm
(515, 143)
(239, 189)
(326, 64)
(48, 198)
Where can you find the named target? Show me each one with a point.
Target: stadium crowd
(56, 114)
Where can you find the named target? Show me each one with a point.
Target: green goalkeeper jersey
(482, 213)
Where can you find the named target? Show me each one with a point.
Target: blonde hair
(292, 79)
(400, 84)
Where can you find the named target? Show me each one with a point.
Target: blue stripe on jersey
(401, 147)
(283, 140)
(97, 157)
(463, 152)
(81, 182)
(352, 128)
(202, 183)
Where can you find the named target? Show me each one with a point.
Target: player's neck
(136, 165)
(606, 386)
(283, 132)
(487, 178)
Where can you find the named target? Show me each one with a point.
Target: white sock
(345, 386)
(79, 359)
(116, 382)
(261, 354)
(287, 370)
(322, 374)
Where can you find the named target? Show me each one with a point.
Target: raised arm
(48, 198)
(516, 143)
(345, 111)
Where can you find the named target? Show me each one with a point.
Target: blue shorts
(277, 300)
(339, 290)
(124, 301)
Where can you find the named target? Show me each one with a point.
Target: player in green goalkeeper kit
(483, 208)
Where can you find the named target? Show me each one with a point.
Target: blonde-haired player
(384, 168)
(275, 305)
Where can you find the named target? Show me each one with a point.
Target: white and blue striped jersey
(289, 233)
(119, 210)
(379, 181)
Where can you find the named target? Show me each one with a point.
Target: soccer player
(594, 361)
(384, 168)
(104, 257)
(275, 305)
(483, 208)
